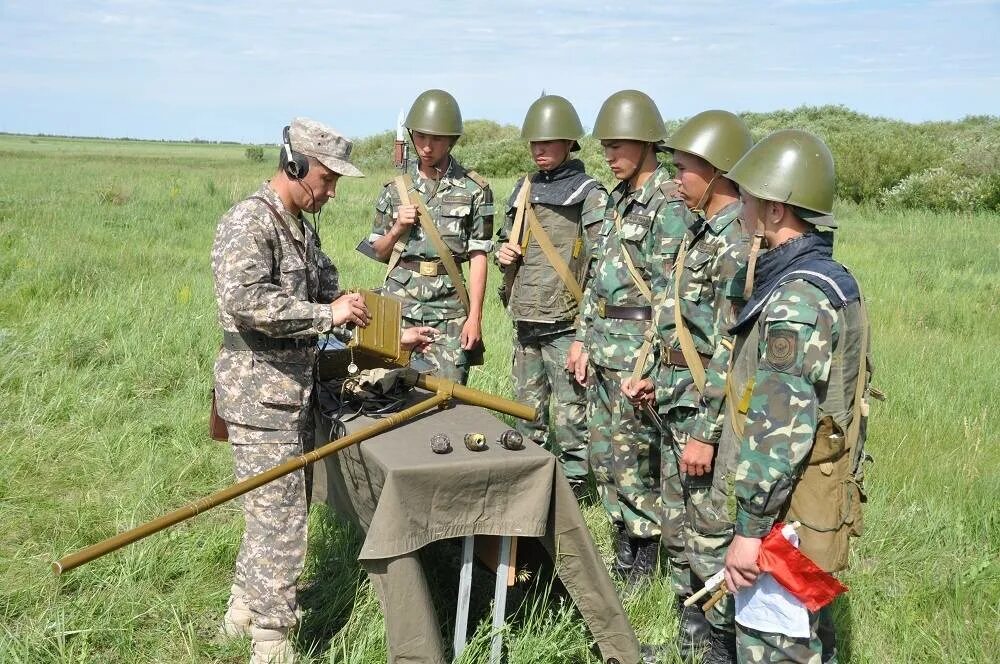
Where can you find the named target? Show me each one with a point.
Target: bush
(254, 153)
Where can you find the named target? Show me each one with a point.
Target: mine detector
(375, 347)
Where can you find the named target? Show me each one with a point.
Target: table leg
(464, 593)
(500, 600)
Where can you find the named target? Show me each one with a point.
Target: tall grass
(107, 337)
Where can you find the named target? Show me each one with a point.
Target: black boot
(692, 630)
(647, 555)
(624, 555)
(721, 648)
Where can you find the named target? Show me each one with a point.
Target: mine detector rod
(444, 391)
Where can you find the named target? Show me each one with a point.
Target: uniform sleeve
(795, 351)
(503, 233)
(385, 209)
(594, 245)
(246, 291)
(707, 424)
(481, 233)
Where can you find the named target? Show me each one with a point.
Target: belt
(251, 340)
(434, 268)
(675, 358)
(605, 310)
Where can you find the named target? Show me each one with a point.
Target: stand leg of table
(500, 600)
(464, 592)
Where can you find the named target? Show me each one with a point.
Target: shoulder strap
(403, 185)
(854, 429)
(478, 179)
(400, 246)
(517, 235)
(681, 331)
(640, 283)
(550, 251)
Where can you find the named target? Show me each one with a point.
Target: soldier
(554, 219)
(276, 291)
(692, 317)
(644, 224)
(798, 383)
(446, 220)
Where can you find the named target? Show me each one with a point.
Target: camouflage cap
(319, 141)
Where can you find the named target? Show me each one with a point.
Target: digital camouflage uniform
(462, 210)
(271, 283)
(569, 206)
(624, 444)
(714, 255)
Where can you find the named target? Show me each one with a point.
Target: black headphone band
(295, 165)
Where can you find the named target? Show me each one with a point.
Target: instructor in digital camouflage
(793, 438)
(276, 291)
(552, 223)
(692, 318)
(447, 220)
(644, 225)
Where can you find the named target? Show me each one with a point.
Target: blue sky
(229, 70)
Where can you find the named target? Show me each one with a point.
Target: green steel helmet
(718, 137)
(435, 112)
(629, 115)
(552, 118)
(794, 167)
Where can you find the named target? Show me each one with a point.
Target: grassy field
(107, 338)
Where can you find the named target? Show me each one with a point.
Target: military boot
(236, 622)
(624, 556)
(721, 648)
(692, 630)
(647, 555)
(272, 646)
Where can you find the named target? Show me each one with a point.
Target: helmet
(790, 166)
(435, 112)
(552, 118)
(718, 137)
(629, 115)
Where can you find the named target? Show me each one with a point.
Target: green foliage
(255, 153)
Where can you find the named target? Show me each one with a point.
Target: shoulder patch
(670, 189)
(782, 348)
(478, 179)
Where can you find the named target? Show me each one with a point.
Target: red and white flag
(796, 571)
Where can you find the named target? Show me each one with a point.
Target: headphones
(295, 165)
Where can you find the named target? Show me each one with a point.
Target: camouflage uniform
(462, 209)
(713, 256)
(272, 287)
(544, 312)
(795, 367)
(625, 445)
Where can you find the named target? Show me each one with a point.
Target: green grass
(107, 338)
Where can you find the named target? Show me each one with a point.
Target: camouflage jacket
(572, 224)
(713, 256)
(275, 280)
(653, 220)
(462, 208)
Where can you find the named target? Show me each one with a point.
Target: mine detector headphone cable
(296, 167)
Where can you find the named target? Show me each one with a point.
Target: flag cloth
(796, 572)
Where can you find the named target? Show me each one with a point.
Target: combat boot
(693, 630)
(721, 648)
(236, 622)
(624, 556)
(272, 646)
(647, 555)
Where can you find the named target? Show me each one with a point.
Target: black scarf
(567, 184)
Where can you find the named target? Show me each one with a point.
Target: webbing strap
(854, 429)
(643, 358)
(550, 251)
(403, 185)
(517, 233)
(400, 246)
(681, 331)
(640, 283)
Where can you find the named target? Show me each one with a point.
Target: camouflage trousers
(445, 354)
(673, 521)
(541, 381)
(624, 455)
(753, 647)
(273, 549)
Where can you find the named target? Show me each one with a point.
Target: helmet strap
(758, 240)
(642, 160)
(699, 208)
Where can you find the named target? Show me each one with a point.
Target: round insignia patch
(782, 348)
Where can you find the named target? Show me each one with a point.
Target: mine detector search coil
(376, 346)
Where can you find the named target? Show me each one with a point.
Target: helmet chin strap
(642, 160)
(758, 240)
(699, 208)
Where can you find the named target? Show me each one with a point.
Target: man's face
(753, 208)
(693, 176)
(320, 185)
(549, 154)
(432, 150)
(623, 156)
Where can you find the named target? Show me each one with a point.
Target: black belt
(605, 310)
(251, 340)
(675, 358)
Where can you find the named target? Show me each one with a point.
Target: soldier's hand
(509, 254)
(350, 309)
(418, 338)
(639, 392)
(471, 334)
(697, 457)
(576, 362)
(406, 215)
(741, 562)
